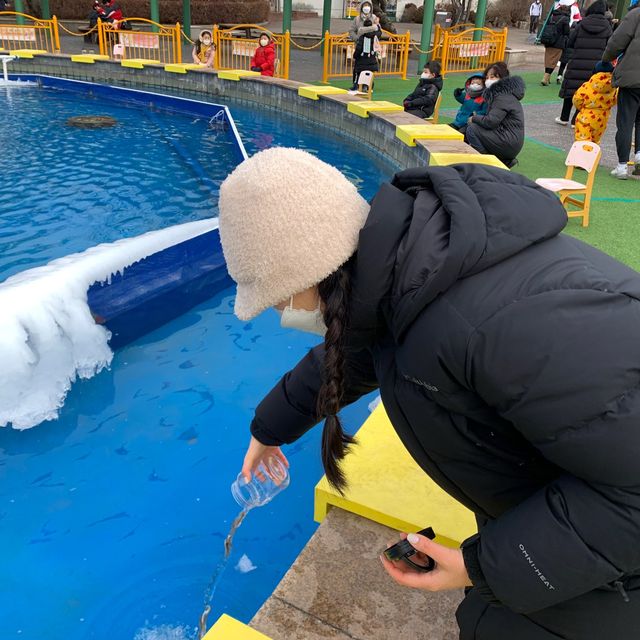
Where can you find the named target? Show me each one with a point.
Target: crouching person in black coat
(500, 131)
(422, 101)
(507, 355)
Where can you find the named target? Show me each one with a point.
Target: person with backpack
(507, 356)
(588, 40)
(554, 38)
(365, 32)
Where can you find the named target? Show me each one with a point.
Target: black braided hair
(334, 292)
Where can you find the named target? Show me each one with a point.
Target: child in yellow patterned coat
(594, 101)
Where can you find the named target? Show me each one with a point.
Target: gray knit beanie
(287, 221)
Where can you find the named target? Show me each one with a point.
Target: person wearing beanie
(507, 357)
(587, 41)
(624, 46)
(593, 102)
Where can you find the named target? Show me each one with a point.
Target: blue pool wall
(159, 288)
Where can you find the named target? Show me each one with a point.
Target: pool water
(64, 189)
(113, 517)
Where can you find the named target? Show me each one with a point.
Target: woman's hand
(449, 572)
(257, 453)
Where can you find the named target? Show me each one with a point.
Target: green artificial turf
(395, 89)
(615, 208)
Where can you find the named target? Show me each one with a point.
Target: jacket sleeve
(581, 94)
(289, 410)
(573, 35)
(459, 95)
(426, 100)
(572, 390)
(493, 117)
(621, 37)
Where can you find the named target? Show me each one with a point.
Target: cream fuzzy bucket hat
(287, 221)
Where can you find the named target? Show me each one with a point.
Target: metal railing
(34, 35)
(393, 55)
(438, 35)
(160, 45)
(235, 50)
(472, 49)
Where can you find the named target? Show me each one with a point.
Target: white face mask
(366, 10)
(425, 76)
(264, 43)
(475, 87)
(206, 42)
(303, 319)
(490, 81)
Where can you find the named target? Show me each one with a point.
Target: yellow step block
(182, 67)
(88, 58)
(387, 486)
(236, 74)
(228, 628)
(313, 92)
(139, 63)
(26, 53)
(363, 108)
(409, 133)
(441, 159)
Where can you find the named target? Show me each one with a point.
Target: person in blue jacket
(472, 100)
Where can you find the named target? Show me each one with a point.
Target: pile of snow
(48, 336)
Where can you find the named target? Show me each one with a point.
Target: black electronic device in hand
(403, 550)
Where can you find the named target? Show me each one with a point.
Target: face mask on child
(475, 86)
(264, 42)
(425, 75)
(366, 10)
(490, 81)
(303, 319)
(206, 41)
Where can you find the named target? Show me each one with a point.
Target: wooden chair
(585, 155)
(436, 111)
(365, 83)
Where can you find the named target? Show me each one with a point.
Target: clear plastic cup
(269, 479)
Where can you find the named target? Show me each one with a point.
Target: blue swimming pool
(112, 517)
(64, 189)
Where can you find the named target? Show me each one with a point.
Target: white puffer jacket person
(366, 13)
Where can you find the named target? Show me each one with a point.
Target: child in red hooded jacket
(263, 59)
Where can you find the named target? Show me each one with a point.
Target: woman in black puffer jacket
(588, 41)
(500, 130)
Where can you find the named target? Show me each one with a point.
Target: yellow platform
(88, 58)
(363, 108)
(313, 92)
(139, 63)
(228, 628)
(387, 486)
(26, 53)
(441, 159)
(182, 67)
(409, 133)
(236, 74)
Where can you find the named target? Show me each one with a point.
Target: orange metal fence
(162, 45)
(472, 49)
(234, 50)
(438, 35)
(393, 55)
(34, 35)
